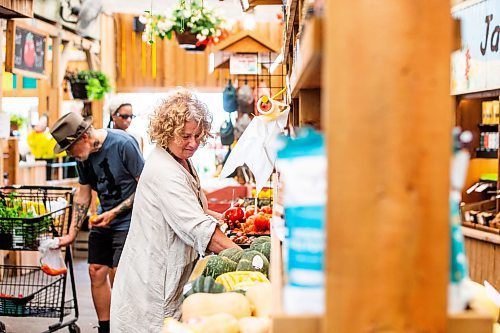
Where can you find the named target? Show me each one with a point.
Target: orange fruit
(92, 219)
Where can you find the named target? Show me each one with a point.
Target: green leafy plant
(17, 218)
(191, 16)
(97, 83)
(18, 120)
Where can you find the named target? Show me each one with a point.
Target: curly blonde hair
(172, 113)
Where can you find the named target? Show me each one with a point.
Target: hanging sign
(243, 63)
(476, 65)
(26, 50)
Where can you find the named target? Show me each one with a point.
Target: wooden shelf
(488, 127)
(486, 153)
(247, 5)
(307, 71)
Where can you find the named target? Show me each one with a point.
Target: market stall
(477, 110)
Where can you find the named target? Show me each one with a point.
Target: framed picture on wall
(26, 50)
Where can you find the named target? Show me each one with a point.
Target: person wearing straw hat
(109, 162)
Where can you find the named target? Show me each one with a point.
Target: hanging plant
(192, 18)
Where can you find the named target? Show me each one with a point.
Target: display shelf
(486, 153)
(478, 234)
(307, 68)
(488, 127)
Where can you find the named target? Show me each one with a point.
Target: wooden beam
(55, 91)
(16, 8)
(387, 114)
(57, 31)
(63, 62)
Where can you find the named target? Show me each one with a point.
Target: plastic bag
(51, 262)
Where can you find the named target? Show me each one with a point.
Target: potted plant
(88, 84)
(16, 122)
(194, 26)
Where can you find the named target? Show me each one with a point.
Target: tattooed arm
(81, 205)
(105, 218)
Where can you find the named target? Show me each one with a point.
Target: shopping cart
(28, 215)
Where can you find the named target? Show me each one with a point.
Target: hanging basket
(79, 90)
(188, 40)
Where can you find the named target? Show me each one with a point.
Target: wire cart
(28, 215)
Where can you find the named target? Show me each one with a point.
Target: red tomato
(266, 209)
(249, 212)
(234, 214)
(262, 222)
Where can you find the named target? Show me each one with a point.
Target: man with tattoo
(109, 162)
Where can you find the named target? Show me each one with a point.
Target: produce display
(243, 219)
(228, 292)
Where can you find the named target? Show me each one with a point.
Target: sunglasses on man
(126, 116)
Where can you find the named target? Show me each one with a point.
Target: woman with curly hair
(171, 224)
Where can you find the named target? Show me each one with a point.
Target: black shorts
(106, 246)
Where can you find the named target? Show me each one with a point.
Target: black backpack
(227, 133)
(229, 101)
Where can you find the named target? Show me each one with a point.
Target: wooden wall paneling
(387, 118)
(160, 59)
(148, 80)
(180, 73)
(127, 49)
(201, 67)
(169, 68)
(190, 70)
(108, 47)
(175, 66)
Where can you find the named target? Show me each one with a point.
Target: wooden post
(11, 163)
(55, 91)
(387, 116)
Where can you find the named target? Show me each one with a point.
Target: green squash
(262, 247)
(253, 261)
(203, 284)
(218, 265)
(261, 239)
(233, 254)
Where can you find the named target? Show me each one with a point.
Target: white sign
(4, 125)
(476, 66)
(243, 64)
